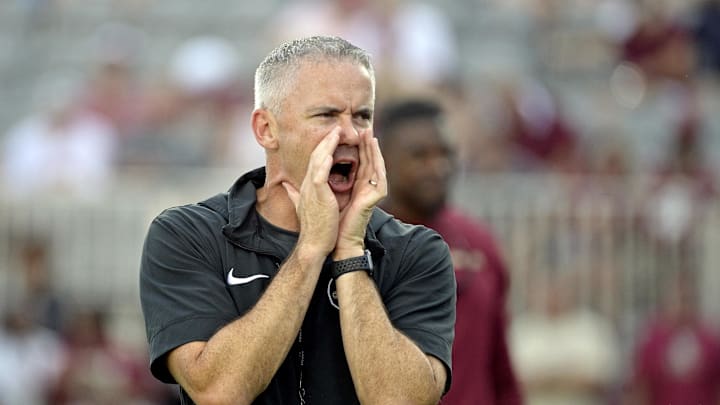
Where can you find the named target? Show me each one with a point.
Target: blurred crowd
(610, 90)
(55, 349)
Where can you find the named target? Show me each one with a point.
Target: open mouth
(342, 175)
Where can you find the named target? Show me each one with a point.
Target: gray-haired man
(293, 287)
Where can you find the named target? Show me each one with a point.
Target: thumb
(292, 193)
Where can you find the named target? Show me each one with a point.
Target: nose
(440, 166)
(349, 134)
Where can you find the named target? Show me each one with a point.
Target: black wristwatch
(363, 262)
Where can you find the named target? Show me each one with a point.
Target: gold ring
(372, 182)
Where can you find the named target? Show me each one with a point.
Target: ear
(265, 128)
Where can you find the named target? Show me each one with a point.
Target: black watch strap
(351, 264)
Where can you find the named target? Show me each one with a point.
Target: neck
(276, 207)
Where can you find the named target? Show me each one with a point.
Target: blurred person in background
(537, 129)
(677, 355)
(412, 43)
(660, 54)
(31, 358)
(113, 89)
(707, 35)
(421, 162)
(564, 354)
(293, 287)
(660, 45)
(61, 148)
(96, 371)
(680, 191)
(195, 116)
(45, 305)
(31, 352)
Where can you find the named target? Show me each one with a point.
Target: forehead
(332, 81)
(418, 133)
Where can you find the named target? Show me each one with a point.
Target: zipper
(301, 358)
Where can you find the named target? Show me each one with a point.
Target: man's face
(322, 96)
(420, 162)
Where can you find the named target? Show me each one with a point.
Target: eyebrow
(323, 109)
(335, 110)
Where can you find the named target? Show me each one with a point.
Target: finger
(365, 168)
(327, 145)
(318, 169)
(322, 171)
(371, 158)
(292, 193)
(379, 164)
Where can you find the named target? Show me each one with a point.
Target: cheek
(298, 147)
(413, 168)
(405, 173)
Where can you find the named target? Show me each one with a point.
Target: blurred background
(588, 134)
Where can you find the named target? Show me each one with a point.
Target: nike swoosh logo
(232, 280)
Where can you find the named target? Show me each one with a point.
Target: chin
(431, 208)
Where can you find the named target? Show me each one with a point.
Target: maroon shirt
(679, 365)
(482, 372)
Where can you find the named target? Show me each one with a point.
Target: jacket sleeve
(182, 291)
(421, 303)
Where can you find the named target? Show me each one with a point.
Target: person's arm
(506, 385)
(386, 366)
(507, 389)
(239, 361)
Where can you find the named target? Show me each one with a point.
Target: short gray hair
(275, 72)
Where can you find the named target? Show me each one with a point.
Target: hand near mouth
(322, 222)
(370, 187)
(315, 202)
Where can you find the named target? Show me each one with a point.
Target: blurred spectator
(654, 83)
(679, 194)
(96, 371)
(420, 163)
(425, 47)
(537, 128)
(412, 43)
(359, 21)
(43, 304)
(660, 46)
(595, 225)
(677, 358)
(471, 117)
(564, 354)
(707, 35)
(30, 359)
(196, 113)
(113, 91)
(61, 148)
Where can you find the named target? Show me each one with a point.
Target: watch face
(368, 257)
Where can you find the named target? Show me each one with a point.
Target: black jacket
(192, 255)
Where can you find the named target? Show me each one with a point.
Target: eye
(365, 115)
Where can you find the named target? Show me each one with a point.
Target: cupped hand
(369, 189)
(315, 203)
